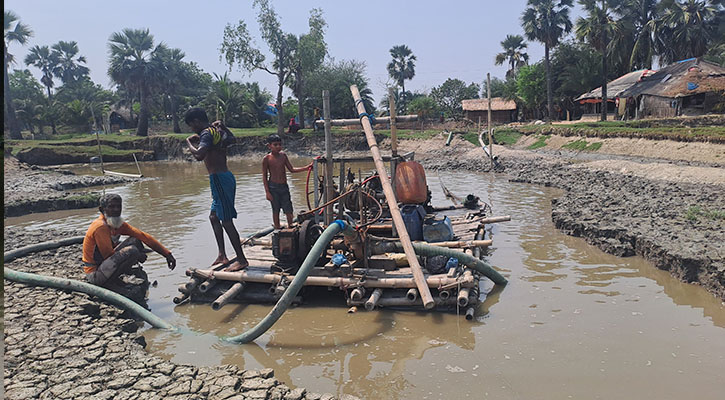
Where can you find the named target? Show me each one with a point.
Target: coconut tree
(401, 67)
(15, 32)
(642, 18)
(42, 58)
(687, 28)
(547, 21)
(173, 79)
(596, 29)
(513, 53)
(68, 68)
(137, 64)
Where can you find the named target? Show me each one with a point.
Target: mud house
(502, 111)
(592, 100)
(687, 87)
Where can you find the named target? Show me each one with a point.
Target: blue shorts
(223, 189)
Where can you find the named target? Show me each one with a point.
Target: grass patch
(693, 213)
(506, 136)
(582, 145)
(541, 142)
(632, 129)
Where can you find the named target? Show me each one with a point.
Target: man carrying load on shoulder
(104, 258)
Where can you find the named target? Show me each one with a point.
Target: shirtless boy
(213, 141)
(274, 176)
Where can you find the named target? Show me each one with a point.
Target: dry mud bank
(64, 345)
(669, 212)
(31, 189)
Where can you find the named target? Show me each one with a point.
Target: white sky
(454, 39)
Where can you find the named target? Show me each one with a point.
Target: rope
(370, 116)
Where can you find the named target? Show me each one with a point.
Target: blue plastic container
(438, 230)
(413, 215)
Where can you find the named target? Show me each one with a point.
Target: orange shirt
(99, 235)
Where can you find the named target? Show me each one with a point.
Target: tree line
(614, 37)
(156, 82)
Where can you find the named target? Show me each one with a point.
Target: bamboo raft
(375, 266)
(382, 283)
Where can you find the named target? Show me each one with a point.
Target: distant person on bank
(213, 141)
(104, 258)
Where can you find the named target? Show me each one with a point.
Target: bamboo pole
(373, 300)
(393, 204)
(431, 281)
(393, 128)
(378, 121)
(328, 155)
(100, 154)
(138, 167)
(489, 220)
(393, 135)
(490, 136)
(227, 296)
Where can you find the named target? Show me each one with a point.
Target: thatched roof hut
(502, 110)
(691, 86)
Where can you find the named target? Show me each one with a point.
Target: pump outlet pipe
(87, 288)
(284, 302)
(466, 259)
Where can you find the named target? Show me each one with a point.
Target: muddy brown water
(573, 322)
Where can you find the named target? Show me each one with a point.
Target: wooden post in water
(100, 155)
(490, 135)
(328, 155)
(418, 276)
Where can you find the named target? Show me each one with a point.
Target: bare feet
(222, 259)
(236, 266)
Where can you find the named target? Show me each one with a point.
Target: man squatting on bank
(213, 141)
(104, 258)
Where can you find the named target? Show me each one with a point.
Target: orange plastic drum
(410, 183)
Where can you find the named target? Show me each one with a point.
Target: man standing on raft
(213, 141)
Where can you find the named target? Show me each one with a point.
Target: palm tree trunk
(604, 76)
(300, 97)
(143, 115)
(549, 98)
(175, 114)
(604, 62)
(52, 120)
(12, 119)
(280, 109)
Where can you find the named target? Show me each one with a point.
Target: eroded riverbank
(644, 209)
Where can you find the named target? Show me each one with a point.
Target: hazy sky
(456, 39)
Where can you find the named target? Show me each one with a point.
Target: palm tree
(546, 21)
(513, 47)
(226, 95)
(173, 78)
(595, 29)
(687, 29)
(45, 60)
(138, 65)
(69, 68)
(642, 18)
(15, 31)
(401, 67)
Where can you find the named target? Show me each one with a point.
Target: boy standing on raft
(274, 176)
(213, 141)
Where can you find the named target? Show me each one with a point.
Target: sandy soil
(698, 152)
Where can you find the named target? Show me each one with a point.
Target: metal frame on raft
(377, 275)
